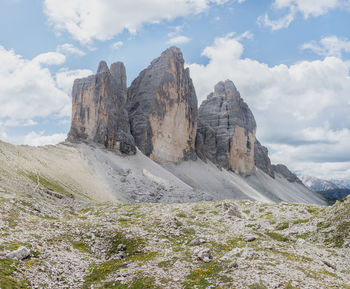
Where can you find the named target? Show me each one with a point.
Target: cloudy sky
(290, 59)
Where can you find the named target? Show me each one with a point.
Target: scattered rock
(233, 265)
(330, 265)
(300, 242)
(36, 207)
(121, 247)
(197, 242)
(232, 210)
(20, 254)
(250, 238)
(203, 254)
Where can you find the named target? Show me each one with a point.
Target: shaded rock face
(226, 130)
(162, 106)
(286, 173)
(262, 160)
(98, 111)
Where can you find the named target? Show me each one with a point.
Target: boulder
(203, 254)
(20, 254)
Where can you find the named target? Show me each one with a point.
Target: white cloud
(68, 48)
(39, 139)
(117, 45)
(27, 89)
(50, 58)
(280, 23)
(87, 20)
(65, 78)
(289, 102)
(329, 46)
(19, 123)
(305, 7)
(179, 40)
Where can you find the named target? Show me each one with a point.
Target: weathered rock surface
(286, 173)
(162, 107)
(262, 160)
(20, 254)
(226, 130)
(98, 112)
(83, 244)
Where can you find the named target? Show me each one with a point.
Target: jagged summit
(162, 106)
(158, 114)
(225, 89)
(98, 109)
(226, 130)
(102, 67)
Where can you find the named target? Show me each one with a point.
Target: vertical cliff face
(162, 106)
(98, 110)
(226, 130)
(262, 160)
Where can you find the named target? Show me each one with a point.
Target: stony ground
(225, 244)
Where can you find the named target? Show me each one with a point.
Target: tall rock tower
(98, 110)
(162, 106)
(226, 130)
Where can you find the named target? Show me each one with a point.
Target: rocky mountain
(317, 184)
(226, 130)
(158, 116)
(335, 194)
(262, 160)
(286, 173)
(162, 105)
(341, 183)
(98, 109)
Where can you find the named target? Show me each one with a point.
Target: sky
(290, 59)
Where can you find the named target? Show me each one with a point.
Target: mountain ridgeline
(158, 114)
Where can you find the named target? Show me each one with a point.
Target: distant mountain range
(332, 190)
(343, 183)
(317, 184)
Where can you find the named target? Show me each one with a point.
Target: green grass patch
(47, 183)
(312, 210)
(81, 246)
(7, 268)
(257, 286)
(300, 221)
(282, 226)
(133, 245)
(277, 237)
(236, 243)
(268, 215)
(101, 271)
(181, 215)
(203, 277)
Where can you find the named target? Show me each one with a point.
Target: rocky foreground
(52, 240)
